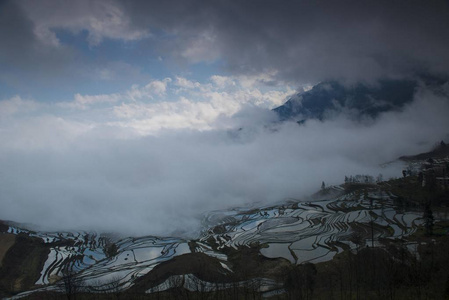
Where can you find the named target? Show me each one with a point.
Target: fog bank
(64, 173)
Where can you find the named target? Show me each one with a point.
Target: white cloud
(184, 83)
(42, 132)
(181, 103)
(193, 105)
(157, 87)
(85, 101)
(154, 88)
(222, 81)
(269, 99)
(15, 105)
(150, 118)
(249, 81)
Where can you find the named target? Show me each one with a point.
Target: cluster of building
(435, 173)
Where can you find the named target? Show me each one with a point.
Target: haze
(138, 117)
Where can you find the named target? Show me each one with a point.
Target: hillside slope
(333, 97)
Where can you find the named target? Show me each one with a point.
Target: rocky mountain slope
(358, 99)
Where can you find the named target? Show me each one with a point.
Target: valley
(334, 221)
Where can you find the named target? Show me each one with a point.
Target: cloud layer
(306, 41)
(63, 173)
(138, 116)
(302, 41)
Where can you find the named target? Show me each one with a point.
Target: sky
(140, 116)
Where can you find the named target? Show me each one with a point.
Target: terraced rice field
(135, 257)
(313, 231)
(298, 231)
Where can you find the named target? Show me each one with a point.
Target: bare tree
(358, 239)
(428, 219)
(300, 281)
(71, 283)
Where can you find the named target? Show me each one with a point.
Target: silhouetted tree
(428, 219)
(358, 239)
(300, 281)
(71, 284)
(379, 178)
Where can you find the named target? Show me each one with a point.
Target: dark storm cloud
(305, 41)
(21, 51)
(15, 32)
(310, 40)
(34, 57)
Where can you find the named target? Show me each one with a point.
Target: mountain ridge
(361, 99)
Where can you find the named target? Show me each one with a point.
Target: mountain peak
(363, 99)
